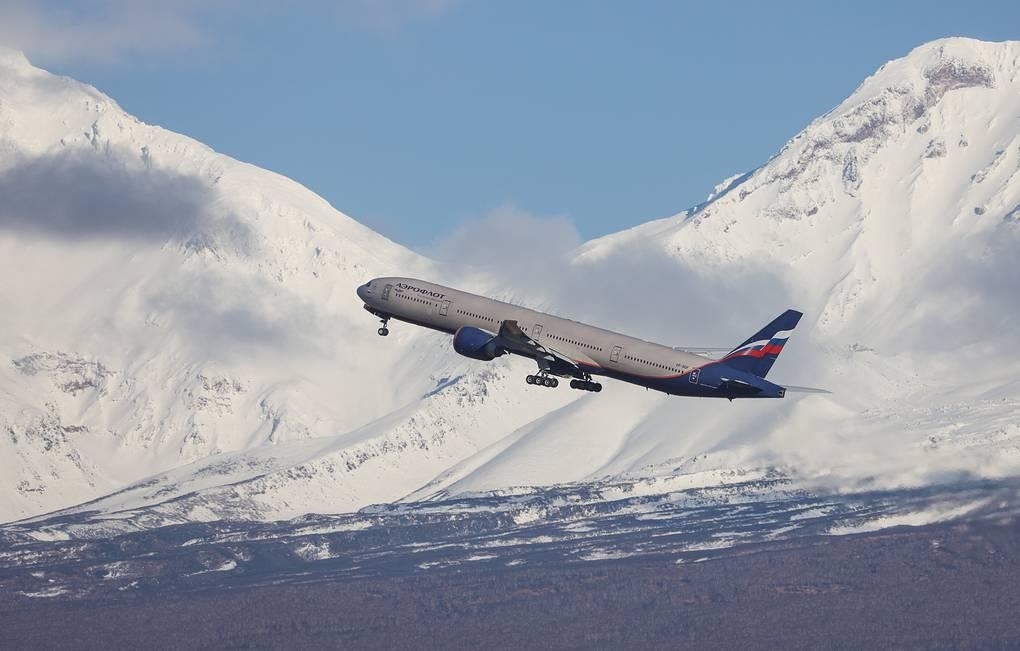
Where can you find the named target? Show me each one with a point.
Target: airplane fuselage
(596, 351)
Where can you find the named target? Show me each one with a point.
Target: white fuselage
(600, 351)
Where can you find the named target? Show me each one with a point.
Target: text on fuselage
(420, 290)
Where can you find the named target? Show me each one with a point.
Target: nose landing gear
(383, 331)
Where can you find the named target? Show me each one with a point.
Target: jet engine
(477, 344)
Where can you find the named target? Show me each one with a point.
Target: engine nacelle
(477, 344)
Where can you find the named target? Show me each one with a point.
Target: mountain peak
(942, 65)
(902, 100)
(14, 59)
(962, 47)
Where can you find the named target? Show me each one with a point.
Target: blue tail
(761, 350)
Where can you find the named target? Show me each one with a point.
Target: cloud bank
(104, 31)
(86, 195)
(641, 290)
(119, 31)
(229, 318)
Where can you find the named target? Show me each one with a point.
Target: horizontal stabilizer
(804, 389)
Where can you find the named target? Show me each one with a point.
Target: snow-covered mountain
(184, 341)
(893, 222)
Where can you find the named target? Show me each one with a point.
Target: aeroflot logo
(420, 290)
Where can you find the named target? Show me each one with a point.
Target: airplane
(484, 329)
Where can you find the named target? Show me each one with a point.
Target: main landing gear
(383, 331)
(585, 385)
(542, 380)
(545, 380)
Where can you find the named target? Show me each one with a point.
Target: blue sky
(417, 117)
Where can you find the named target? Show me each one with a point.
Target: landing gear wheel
(383, 331)
(542, 381)
(585, 385)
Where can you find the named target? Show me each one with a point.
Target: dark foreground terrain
(937, 586)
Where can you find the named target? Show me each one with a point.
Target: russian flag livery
(760, 351)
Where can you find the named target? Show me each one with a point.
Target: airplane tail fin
(760, 351)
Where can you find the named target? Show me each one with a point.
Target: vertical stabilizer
(760, 351)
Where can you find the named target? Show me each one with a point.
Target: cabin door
(615, 355)
(444, 308)
(386, 292)
(536, 332)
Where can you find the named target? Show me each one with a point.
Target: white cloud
(105, 197)
(116, 31)
(642, 290)
(103, 30)
(509, 239)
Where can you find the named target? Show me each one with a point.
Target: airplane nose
(363, 292)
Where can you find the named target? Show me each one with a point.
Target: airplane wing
(515, 341)
(706, 352)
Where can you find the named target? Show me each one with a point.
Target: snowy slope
(893, 222)
(203, 355)
(165, 305)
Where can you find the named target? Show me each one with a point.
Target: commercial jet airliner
(485, 329)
